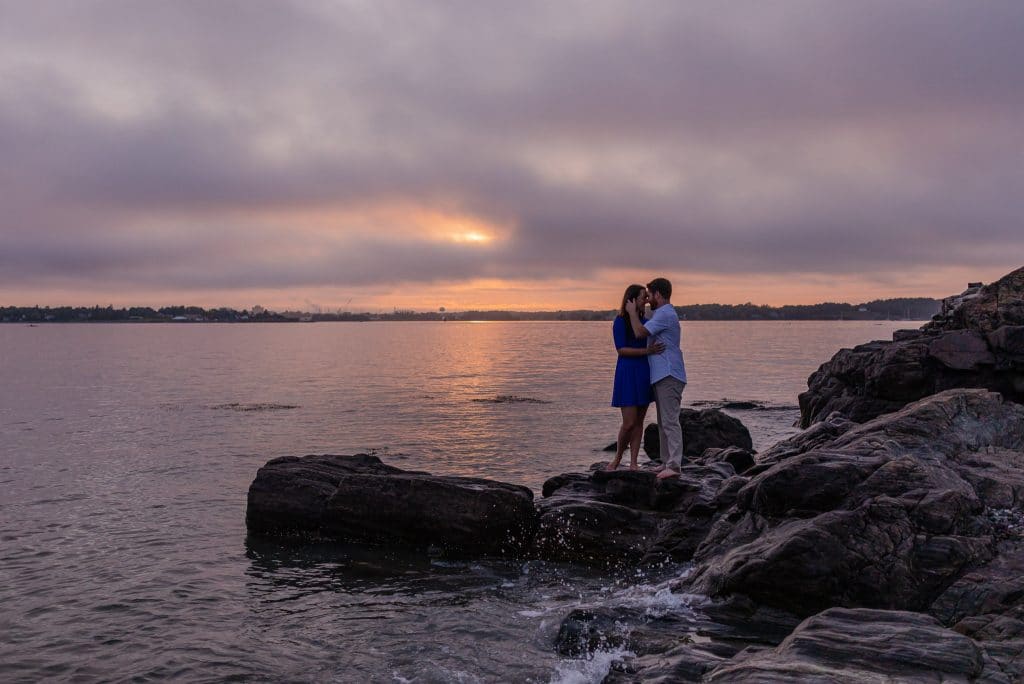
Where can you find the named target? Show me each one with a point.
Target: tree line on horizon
(911, 309)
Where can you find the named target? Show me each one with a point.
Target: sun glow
(472, 237)
(462, 229)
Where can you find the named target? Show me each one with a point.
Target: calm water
(127, 451)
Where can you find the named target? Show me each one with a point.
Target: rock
(905, 335)
(586, 630)
(987, 604)
(885, 515)
(985, 309)
(291, 493)
(994, 588)
(670, 644)
(740, 459)
(1002, 637)
(1007, 341)
(359, 499)
(683, 662)
(628, 517)
(841, 645)
(593, 533)
(961, 350)
(977, 342)
(703, 429)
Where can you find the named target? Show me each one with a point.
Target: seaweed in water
(511, 399)
(235, 406)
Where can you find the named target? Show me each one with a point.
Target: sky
(527, 155)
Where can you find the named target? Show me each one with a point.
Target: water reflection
(316, 566)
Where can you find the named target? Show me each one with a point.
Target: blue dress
(632, 373)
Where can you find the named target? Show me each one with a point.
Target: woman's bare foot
(634, 466)
(613, 465)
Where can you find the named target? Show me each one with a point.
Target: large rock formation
(918, 510)
(886, 515)
(359, 499)
(977, 341)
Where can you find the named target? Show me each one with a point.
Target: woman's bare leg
(636, 437)
(625, 434)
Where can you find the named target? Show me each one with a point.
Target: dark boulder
(842, 645)
(291, 493)
(987, 604)
(702, 429)
(976, 342)
(628, 516)
(887, 514)
(359, 499)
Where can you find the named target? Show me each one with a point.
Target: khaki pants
(668, 393)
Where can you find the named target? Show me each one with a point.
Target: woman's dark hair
(632, 292)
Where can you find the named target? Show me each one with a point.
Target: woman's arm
(655, 348)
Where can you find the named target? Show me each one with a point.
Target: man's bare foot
(667, 473)
(634, 466)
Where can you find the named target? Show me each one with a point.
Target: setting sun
(471, 237)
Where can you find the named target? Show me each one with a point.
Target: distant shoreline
(906, 309)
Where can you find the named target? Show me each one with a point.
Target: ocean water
(126, 452)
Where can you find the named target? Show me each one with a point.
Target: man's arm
(634, 319)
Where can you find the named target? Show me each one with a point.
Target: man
(668, 372)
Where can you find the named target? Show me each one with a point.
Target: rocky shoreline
(884, 542)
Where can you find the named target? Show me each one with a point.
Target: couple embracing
(650, 366)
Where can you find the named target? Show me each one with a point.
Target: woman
(632, 390)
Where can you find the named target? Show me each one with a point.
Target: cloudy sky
(531, 155)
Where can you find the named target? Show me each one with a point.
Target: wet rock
(594, 533)
(885, 515)
(702, 429)
(860, 645)
(976, 342)
(360, 499)
(586, 630)
(686, 650)
(682, 662)
(740, 459)
(628, 517)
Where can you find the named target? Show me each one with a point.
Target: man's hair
(661, 286)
